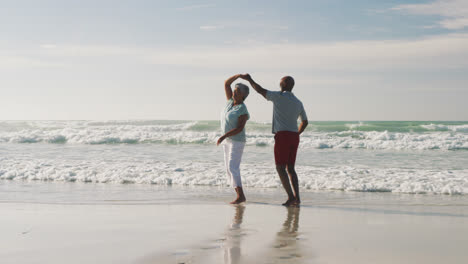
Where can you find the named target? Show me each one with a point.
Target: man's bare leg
(240, 196)
(295, 183)
(281, 169)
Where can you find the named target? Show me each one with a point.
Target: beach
(156, 191)
(112, 223)
(259, 132)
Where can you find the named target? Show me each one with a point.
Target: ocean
(414, 157)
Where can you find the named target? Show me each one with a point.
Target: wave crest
(328, 135)
(440, 127)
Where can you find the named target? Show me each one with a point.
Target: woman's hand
(220, 140)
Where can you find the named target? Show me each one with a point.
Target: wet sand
(328, 228)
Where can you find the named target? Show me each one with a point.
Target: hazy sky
(116, 59)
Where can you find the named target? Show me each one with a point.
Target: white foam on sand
(258, 175)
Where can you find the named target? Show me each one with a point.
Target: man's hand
(220, 140)
(246, 77)
(255, 85)
(303, 126)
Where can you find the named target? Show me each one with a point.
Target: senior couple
(286, 111)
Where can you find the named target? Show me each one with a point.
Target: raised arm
(254, 85)
(240, 126)
(227, 85)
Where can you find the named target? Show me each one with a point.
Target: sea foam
(320, 136)
(441, 127)
(259, 175)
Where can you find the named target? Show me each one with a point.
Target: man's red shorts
(286, 144)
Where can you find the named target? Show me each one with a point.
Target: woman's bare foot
(240, 196)
(238, 200)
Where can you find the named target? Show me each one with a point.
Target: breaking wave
(320, 135)
(261, 175)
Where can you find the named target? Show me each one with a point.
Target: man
(286, 110)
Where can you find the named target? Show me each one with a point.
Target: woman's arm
(227, 85)
(240, 125)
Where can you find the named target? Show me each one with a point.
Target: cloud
(455, 12)
(48, 46)
(436, 52)
(211, 28)
(447, 51)
(455, 23)
(10, 62)
(194, 7)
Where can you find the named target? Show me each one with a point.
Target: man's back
(286, 110)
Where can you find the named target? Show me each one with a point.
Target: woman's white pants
(232, 158)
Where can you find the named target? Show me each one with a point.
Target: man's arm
(254, 85)
(303, 126)
(304, 121)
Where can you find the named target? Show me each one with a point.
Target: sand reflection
(287, 248)
(232, 249)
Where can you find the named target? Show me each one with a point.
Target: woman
(233, 120)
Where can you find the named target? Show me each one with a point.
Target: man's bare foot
(297, 200)
(289, 202)
(296, 203)
(238, 201)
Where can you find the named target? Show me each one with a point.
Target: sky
(351, 60)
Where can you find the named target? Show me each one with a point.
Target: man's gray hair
(244, 89)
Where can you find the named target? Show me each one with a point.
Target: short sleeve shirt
(286, 110)
(230, 117)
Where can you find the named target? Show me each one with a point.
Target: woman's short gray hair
(244, 89)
